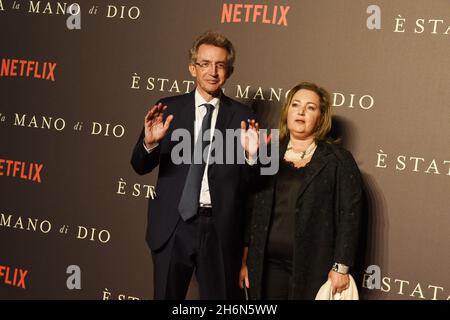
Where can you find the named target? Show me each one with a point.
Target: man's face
(210, 70)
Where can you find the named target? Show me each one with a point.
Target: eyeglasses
(204, 65)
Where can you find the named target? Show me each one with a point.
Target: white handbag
(326, 293)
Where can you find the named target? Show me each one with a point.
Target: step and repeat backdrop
(77, 78)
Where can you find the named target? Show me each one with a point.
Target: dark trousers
(195, 247)
(277, 279)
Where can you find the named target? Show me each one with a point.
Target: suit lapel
(186, 116)
(225, 115)
(320, 158)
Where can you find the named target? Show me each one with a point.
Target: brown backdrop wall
(87, 207)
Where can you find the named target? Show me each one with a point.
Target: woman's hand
(339, 281)
(243, 275)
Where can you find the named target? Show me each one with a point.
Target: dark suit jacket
(227, 182)
(327, 221)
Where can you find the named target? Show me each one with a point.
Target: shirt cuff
(250, 162)
(149, 149)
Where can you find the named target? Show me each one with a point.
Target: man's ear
(192, 70)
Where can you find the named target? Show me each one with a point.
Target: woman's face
(304, 114)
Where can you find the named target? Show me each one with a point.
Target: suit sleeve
(349, 210)
(249, 207)
(142, 161)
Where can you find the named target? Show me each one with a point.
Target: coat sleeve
(349, 210)
(249, 214)
(142, 161)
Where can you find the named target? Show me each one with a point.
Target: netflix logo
(255, 13)
(28, 68)
(13, 276)
(21, 170)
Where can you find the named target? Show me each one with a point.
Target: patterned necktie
(190, 197)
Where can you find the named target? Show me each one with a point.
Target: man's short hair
(215, 39)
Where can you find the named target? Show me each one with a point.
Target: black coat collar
(320, 158)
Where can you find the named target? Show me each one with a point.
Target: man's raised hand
(155, 127)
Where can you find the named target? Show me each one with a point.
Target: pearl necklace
(295, 155)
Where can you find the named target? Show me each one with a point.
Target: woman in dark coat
(305, 220)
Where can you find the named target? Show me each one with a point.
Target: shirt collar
(199, 101)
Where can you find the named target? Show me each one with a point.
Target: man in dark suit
(196, 221)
